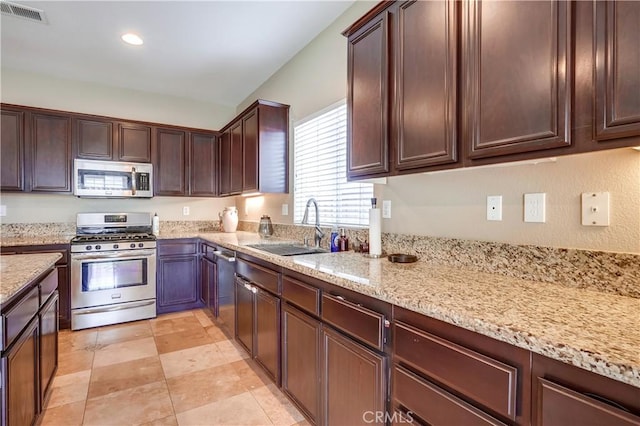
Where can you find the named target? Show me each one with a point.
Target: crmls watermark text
(382, 417)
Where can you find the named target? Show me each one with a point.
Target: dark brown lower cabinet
(301, 360)
(48, 345)
(267, 333)
(565, 395)
(178, 287)
(244, 315)
(258, 325)
(20, 375)
(354, 385)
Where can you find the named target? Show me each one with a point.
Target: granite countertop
(18, 270)
(36, 240)
(599, 332)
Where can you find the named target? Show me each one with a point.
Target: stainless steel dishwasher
(225, 261)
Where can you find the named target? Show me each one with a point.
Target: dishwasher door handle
(221, 255)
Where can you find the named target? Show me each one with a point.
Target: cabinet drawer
(263, 277)
(302, 295)
(48, 286)
(177, 248)
(563, 406)
(19, 316)
(434, 405)
(483, 379)
(362, 323)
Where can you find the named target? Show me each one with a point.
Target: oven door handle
(115, 308)
(221, 255)
(133, 254)
(133, 181)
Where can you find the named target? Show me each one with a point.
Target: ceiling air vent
(24, 12)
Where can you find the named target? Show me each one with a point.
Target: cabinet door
(170, 167)
(250, 151)
(12, 151)
(93, 139)
(50, 153)
(236, 161)
(244, 315)
(178, 287)
(301, 360)
(516, 72)
(203, 164)
(64, 293)
(48, 345)
(426, 76)
(617, 69)
(267, 332)
(367, 99)
(354, 381)
(20, 366)
(134, 143)
(207, 284)
(224, 164)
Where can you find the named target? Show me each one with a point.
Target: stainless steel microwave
(93, 178)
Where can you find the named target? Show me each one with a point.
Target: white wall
(452, 204)
(23, 88)
(45, 92)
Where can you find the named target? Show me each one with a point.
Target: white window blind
(320, 164)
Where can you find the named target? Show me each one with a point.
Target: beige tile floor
(177, 369)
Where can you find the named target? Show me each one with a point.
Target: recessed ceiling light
(132, 38)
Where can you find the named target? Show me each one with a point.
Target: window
(320, 163)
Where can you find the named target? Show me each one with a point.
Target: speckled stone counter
(597, 331)
(36, 240)
(18, 270)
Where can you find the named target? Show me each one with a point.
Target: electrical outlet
(285, 210)
(185, 211)
(535, 207)
(386, 209)
(494, 207)
(3, 210)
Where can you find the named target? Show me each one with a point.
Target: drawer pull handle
(387, 324)
(341, 298)
(606, 401)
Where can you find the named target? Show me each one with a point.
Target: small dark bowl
(402, 258)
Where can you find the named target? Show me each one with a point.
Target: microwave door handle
(133, 181)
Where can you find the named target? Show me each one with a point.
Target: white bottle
(155, 225)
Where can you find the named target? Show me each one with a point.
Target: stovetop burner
(94, 238)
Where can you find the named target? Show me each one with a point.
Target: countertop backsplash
(615, 273)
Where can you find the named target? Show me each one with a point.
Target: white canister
(229, 219)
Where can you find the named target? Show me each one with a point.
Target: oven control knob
(140, 244)
(133, 245)
(98, 247)
(88, 247)
(115, 246)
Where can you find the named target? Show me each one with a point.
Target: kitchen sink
(287, 249)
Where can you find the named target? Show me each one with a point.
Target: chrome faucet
(305, 220)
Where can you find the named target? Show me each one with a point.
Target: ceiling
(212, 51)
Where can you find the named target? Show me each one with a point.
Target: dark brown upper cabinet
(50, 152)
(402, 97)
(12, 150)
(134, 143)
(426, 84)
(516, 73)
(100, 139)
(254, 155)
(617, 61)
(235, 186)
(368, 99)
(203, 165)
(170, 168)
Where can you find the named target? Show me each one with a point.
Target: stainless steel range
(113, 269)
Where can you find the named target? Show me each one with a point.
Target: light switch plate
(285, 210)
(494, 207)
(595, 209)
(535, 207)
(386, 209)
